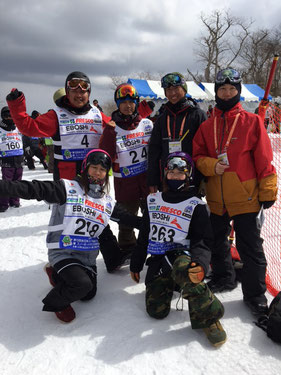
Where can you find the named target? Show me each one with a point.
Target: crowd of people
(180, 179)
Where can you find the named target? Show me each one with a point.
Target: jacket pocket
(234, 191)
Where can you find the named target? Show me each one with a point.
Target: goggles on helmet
(228, 74)
(179, 163)
(126, 90)
(74, 83)
(172, 80)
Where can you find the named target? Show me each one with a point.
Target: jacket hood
(231, 113)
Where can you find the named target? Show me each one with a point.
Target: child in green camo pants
(176, 232)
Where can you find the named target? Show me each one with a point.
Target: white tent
(149, 89)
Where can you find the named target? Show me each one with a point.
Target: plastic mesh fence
(271, 230)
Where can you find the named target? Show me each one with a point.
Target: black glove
(151, 105)
(267, 204)
(14, 94)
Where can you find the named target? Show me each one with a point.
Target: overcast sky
(41, 42)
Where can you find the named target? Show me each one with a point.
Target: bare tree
(257, 56)
(223, 41)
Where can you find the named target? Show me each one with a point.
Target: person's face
(174, 94)
(78, 98)
(127, 107)
(95, 102)
(176, 174)
(227, 92)
(96, 172)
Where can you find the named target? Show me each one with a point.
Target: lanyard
(230, 133)
(181, 128)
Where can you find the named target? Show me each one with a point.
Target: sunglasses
(230, 75)
(74, 83)
(172, 80)
(127, 90)
(180, 164)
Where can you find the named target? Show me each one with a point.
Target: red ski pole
(264, 101)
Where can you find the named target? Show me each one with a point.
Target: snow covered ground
(111, 334)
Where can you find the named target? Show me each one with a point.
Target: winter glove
(135, 276)
(14, 94)
(195, 273)
(267, 204)
(151, 105)
(27, 150)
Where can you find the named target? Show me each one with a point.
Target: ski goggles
(228, 74)
(172, 80)
(179, 163)
(96, 157)
(126, 90)
(74, 83)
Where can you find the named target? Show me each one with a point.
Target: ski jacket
(199, 236)
(55, 192)
(158, 149)
(131, 188)
(46, 125)
(250, 178)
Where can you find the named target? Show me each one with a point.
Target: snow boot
(67, 315)
(215, 334)
(49, 271)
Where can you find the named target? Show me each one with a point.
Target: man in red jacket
(74, 124)
(233, 151)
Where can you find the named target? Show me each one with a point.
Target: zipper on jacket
(220, 151)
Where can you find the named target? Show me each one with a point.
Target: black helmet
(96, 156)
(78, 75)
(5, 112)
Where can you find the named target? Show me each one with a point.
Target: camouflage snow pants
(204, 307)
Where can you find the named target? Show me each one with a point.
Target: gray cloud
(41, 42)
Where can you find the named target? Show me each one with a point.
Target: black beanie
(77, 75)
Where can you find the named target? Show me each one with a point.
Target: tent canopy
(149, 89)
(249, 93)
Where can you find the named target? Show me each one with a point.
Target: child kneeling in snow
(176, 232)
(80, 215)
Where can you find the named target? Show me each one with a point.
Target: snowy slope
(112, 333)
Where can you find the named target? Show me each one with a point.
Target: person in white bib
(80, 214)
(11, 156)
(126, 139)
(176, 233)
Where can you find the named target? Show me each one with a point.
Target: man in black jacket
(174, 129)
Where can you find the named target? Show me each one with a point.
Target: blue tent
(150, 89)
(256, 90)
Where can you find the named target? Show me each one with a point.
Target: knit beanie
(58, 94)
